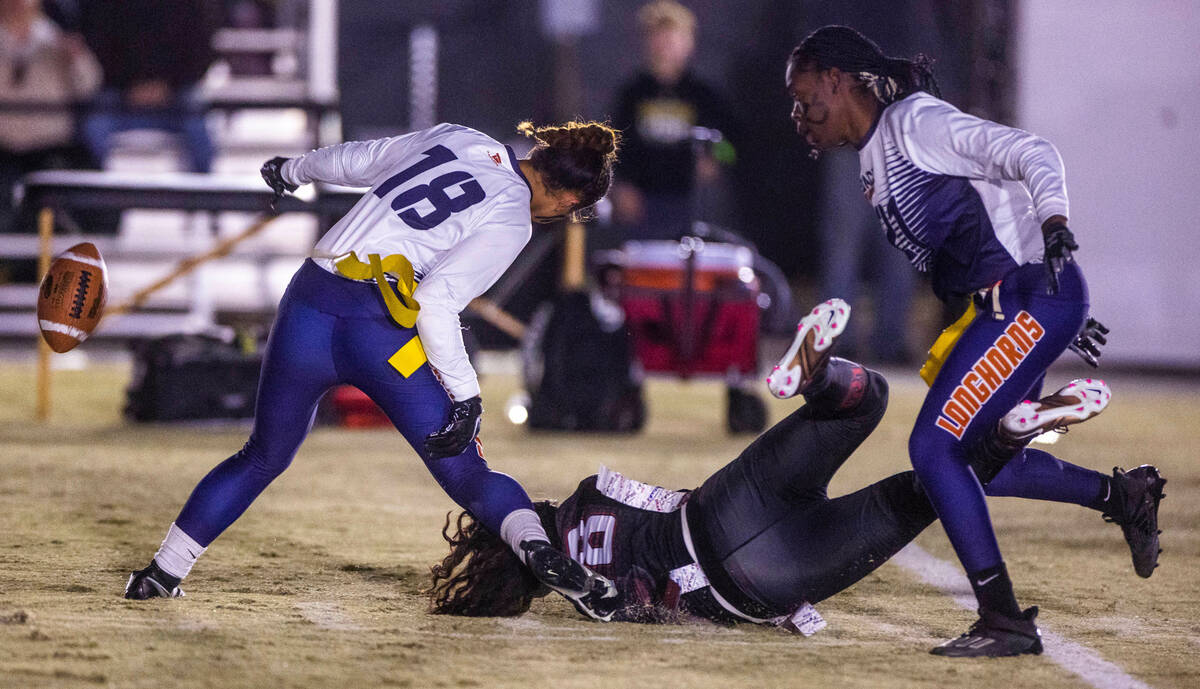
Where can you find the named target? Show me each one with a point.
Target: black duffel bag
(189, 377)
(578, 366)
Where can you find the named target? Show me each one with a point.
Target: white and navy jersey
(962, 197)
(631, 533)
(450, 199)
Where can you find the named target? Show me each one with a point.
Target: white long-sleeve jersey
(963, 197)
(450, 199)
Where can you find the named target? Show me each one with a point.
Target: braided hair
(575, 157)
(482, 577)
(889, 79)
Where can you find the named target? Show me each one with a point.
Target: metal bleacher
(250, 280)
(167, 216)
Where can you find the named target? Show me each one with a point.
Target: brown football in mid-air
(72, 295)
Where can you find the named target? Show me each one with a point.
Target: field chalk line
(327, 616)
(1071, 656)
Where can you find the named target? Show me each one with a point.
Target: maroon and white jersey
(631, 533)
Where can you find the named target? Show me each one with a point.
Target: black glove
(1059, 245)
(461, 428)
(1087, 343)
(272, 174)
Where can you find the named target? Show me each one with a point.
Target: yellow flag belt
(401, 304)
(944, 344)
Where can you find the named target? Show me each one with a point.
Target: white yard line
(327, 616)
(791, 642)
(1071, 656)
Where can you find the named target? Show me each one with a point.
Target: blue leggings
(184, 116)
(330, 331)
(995, 365)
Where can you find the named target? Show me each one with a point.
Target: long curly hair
(481, 576)
(576, 156)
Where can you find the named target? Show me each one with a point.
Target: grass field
(318, 585)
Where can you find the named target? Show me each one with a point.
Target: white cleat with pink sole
(810, 349)
(1078, 401)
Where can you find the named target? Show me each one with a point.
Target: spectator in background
(656, 111)
(154, 54)
(855, 263)
(39, 64)
(249, 14)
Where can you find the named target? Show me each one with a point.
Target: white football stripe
(82, 259)
(68, 330)
(1074, 657)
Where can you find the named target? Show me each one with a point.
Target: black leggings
(764, 527)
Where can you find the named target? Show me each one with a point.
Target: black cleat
(152, 582)
(590, 593)
(994, 636)
(1135, 509)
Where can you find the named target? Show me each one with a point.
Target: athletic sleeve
(465, 272)
(351, 164)
(944, 140)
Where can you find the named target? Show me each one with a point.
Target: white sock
(178, 552)
(522, 525)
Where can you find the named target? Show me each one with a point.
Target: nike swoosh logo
(984, 582)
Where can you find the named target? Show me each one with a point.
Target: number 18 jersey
(450, 199)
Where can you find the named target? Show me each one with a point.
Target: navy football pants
(330, 331)
(994, 366)
(765, 521)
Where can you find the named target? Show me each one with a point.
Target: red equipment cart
(692, 308)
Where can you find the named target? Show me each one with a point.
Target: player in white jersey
(983, 208)
(377, 307)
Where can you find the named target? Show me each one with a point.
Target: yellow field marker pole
(45, 247)
(504, 321)
(188, 265)
(574, 269)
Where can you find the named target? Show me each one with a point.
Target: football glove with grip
(272, 174)
(1059, 245)
(1089, 340)
(460, 429)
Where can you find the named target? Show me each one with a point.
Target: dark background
(497, 67)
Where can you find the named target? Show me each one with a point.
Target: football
(71, 297)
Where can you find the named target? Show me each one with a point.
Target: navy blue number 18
(444, 205)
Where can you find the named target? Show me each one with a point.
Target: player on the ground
(983, 208)
(448, 210)
(760, 539)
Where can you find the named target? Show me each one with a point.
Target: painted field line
(327, 616)
(797, 642)
(1089, 665)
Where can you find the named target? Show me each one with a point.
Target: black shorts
(766, 533)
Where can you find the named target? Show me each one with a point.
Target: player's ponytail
(888, 78)
(481, 577)
(576, 157)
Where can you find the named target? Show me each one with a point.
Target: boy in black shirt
(656, 111)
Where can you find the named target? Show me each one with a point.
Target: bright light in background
(746, 274)
(517, 408)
